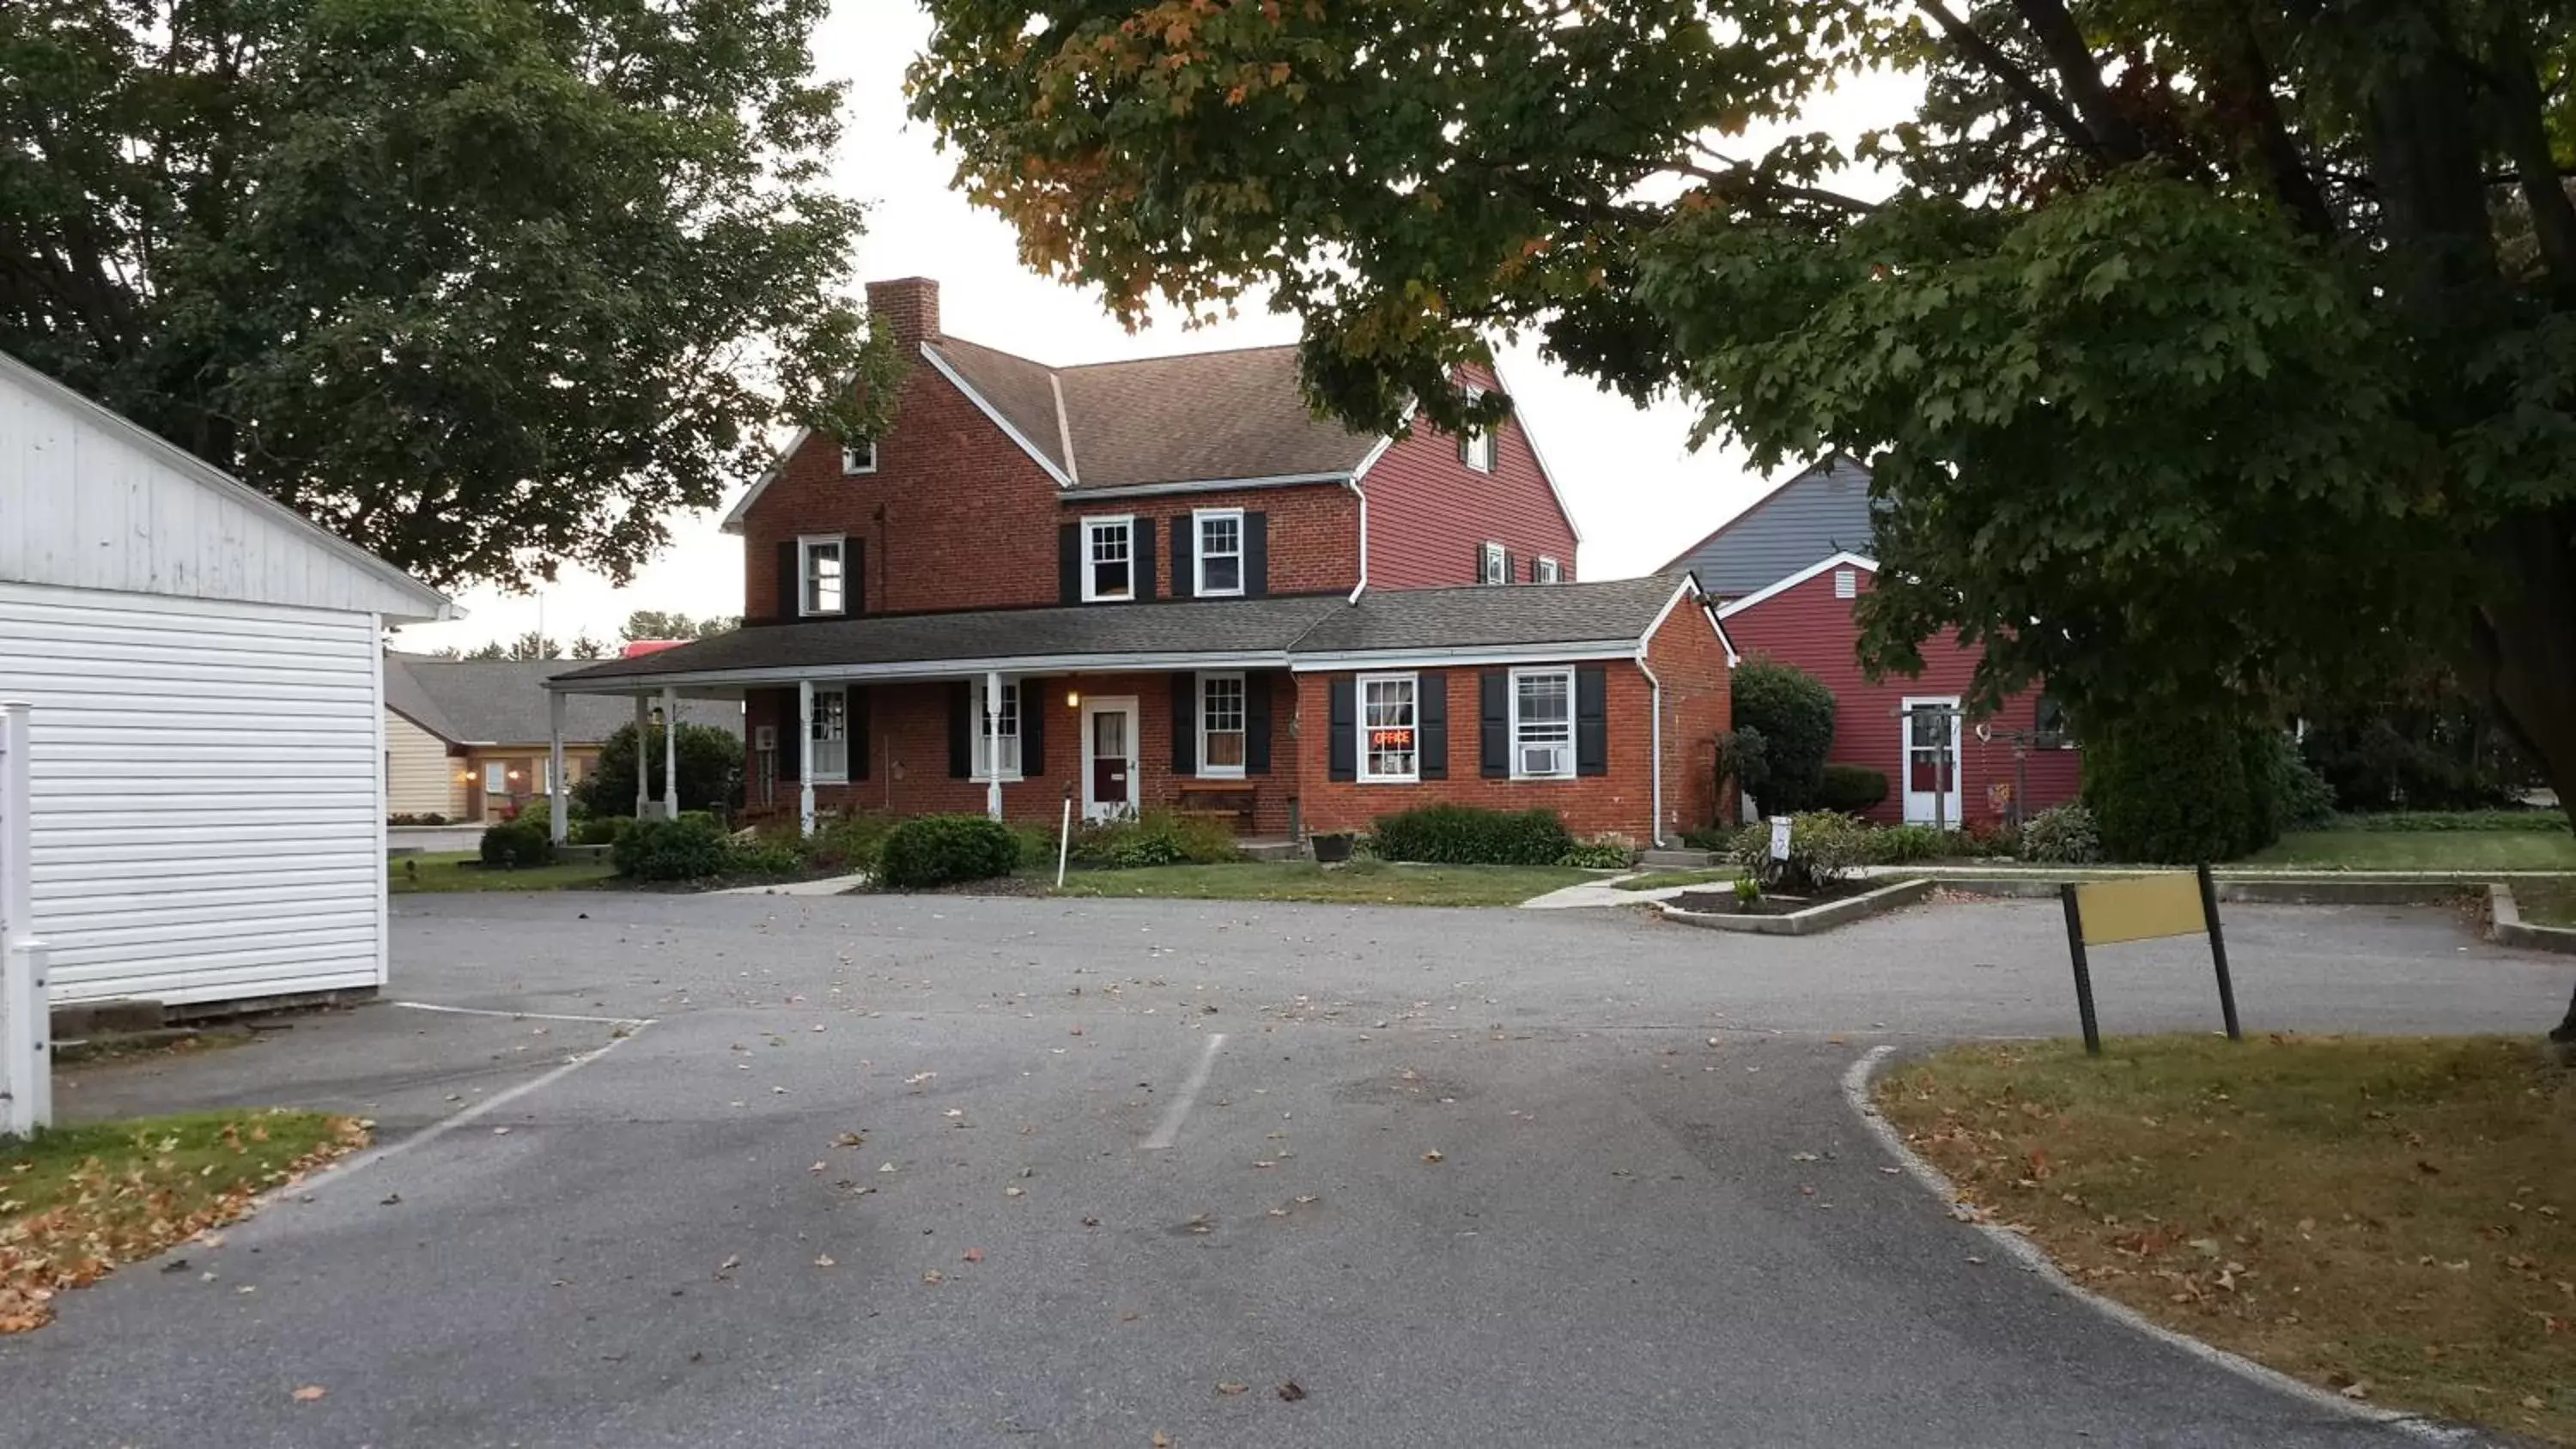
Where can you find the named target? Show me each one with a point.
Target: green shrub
(1793, 712)
(2299, 795)
(1158, 838)
(1468, 835)
(2450, 820)
(935, 850)
(693, 847)
(1711, 837)
(710, 770)
(517, 844)
(769, 855)
(1607, 851)
(1906, 844)
(599, 829)
(847, 844)
(1744, 758)
(1852, 789)
(2062, 835)
(1824, 848)
(2171, 788)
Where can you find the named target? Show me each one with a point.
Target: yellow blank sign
(2140, 908)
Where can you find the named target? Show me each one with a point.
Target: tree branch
(2292, 181)
(2081, 74)
(2022, 83)
(1745, 176)
(2526, 127)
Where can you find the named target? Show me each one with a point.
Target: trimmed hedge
(2062, 835)
(1468, 835)
(937, 850)
(692, 847)
(2174, 789)
(2450, 820)
(518, 844)
(1157, 838)
(1851, 789)
(1793, 712)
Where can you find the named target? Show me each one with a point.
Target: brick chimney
(910, 305)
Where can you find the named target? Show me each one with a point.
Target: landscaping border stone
(1811, 920)
(2251, 892)
(2505, 924)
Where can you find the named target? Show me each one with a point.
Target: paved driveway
(1119, 1156)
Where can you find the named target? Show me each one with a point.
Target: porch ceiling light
(1073, 699)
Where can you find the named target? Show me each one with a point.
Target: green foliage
(1852, 789)
(2450, 820)
(1610, 851)
(1155, 838)
(1468, 835)
(599, 829)
(1907, 844)
(1743, 763)
(2425, 744)
(1711, 837)
(846, 844)
(691, 847)
(2299, 795)
(1825, 846)
(483, 287)
(1748, 891)
(2062, 835)
(766, 855)
(514, 844)
(937, 850)
(710, 770)
(2172, 788)
(1793, 713)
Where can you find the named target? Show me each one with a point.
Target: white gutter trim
(1309, 662)
(1353, 483)
(1063, 429)
(1544, 471)
(1840, 560)
(1655, 746)
(928, 669)
(1211, 485)
(1384, 443)
(995, 414)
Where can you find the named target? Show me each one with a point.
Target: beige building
(468, 739)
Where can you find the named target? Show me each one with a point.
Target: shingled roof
(503, 702)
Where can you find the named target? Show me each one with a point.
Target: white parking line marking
(469, 1116)
(524, 1015)
(1170, 1131)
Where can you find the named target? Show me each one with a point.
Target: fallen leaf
(2534, 1401)
(1434, 1157)
(848, 1139)
(728, 1265)
(1015, 1192)
(309, 1393)
(934, 1277)
(971, 1255)
(1230, 1390)
(1292, 1391)
(824, 1260)
(1161, 1440)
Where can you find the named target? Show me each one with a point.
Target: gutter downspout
(1656, 743)
(1353, 483)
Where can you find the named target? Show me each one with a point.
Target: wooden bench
(1234, 807)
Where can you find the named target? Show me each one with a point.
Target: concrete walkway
(830, 885)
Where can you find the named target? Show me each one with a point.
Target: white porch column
(643, 761)
(991, 755)
(670, 753)
(804, 755)
(558, 819)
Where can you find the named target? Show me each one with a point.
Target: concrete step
(1678, 859)
(1271, 849)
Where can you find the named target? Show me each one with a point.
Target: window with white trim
(827, 739)
(1387, 723)
(819, 562)
(1220, 551)
(858, 455)
(1542, 724)
(1546, 571)
(1221, 725)
(1493, 564)
(997, 738)
(496, 777)
(1108, 559)
(1476, 446)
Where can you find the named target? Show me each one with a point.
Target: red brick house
(1167, 584)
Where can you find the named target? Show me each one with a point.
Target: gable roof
(1475, 618)
(503, 702)
(1823, 510)
(1784, 585)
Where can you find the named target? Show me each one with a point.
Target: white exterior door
(1930, 734)
(1108, 758)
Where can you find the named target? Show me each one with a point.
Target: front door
(1931, 734)
(1108, 758)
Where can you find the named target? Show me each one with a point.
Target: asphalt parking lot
(941, 1170)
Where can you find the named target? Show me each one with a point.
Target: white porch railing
(26, 1012)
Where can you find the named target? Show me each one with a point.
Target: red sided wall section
(1807, 626)
(1428, 513)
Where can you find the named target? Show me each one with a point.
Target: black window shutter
(1141, 532)
(1185, 583)
(854, 731)
(854, 586)
(1185, 724)
(961, 731)
(1033, 702)
(1256, 555)
(1256, 722)
(1592, 720)
(1068, 563)
(1494, 724)
(791, 582)
(1477, 576)
(791, 734)
(1342, 753)
(1507, 566)
(1431, 718)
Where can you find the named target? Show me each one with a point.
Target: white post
(643, 742)
(670, 753)
(804, 755)
(992, 752)
(558, 819)
(26, 1009)
(1064, 839)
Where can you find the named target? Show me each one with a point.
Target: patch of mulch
(1724, 902)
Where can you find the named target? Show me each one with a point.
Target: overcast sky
(1637, 495)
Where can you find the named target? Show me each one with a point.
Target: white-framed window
(858, 455)
(1542, 724)
(1493, 564)
(1221, 725)
(1387, 743)
(1476, 447)
(1220, 551)
(1846, 583)
(819, 560)
(997, 740)
(827, 739)
(1546, 571)
(1108, 559)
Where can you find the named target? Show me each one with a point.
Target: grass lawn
(463, 871)
(2392, 1218)
(2546, 903)
(1658, 879)
(2423, 850)
(1364, 882)
(77, 1201)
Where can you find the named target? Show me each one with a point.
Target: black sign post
(2083, 972)
(2218, 952)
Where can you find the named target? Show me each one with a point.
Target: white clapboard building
(205, 681)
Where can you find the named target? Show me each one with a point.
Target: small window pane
(1387, 729)
(997, 753)
(823, 578)
(1221, 723)
(1543, 715)
(859, 456)
(827, 741)
(1112, 572)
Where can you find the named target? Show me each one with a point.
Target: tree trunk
(2525, 643)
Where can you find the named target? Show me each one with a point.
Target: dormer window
(1493, 564)
(858, 455)
(1546, 571)
(1108, 559)
(1476, 447)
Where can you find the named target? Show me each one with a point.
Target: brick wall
(1314, 532)
(1689, 658)
(1428, 512)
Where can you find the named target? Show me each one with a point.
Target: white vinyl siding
(208, 811)
(420, 779)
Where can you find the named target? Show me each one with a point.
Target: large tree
(2208, 353)
(484, 285)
